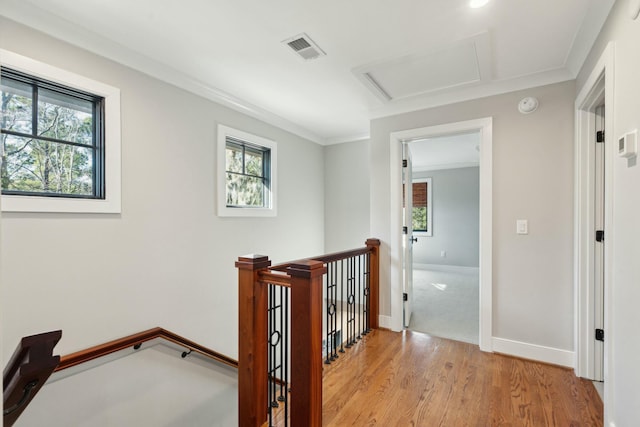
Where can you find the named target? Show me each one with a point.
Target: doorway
(397, 249)
(445, 218)
(593, 212)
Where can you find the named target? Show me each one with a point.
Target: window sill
(59, 205)
(224, 211)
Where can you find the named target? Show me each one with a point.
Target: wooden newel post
(306, 343)
(374, 282)
(252, 341)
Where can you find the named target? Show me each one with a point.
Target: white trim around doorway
(485, 127)
(600, 80)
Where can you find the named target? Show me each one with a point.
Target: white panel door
(407, 237)
(598, 261)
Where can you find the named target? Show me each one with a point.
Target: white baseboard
(447, 268)
(384, 321)
(539, 353)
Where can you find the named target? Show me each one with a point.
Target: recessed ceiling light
(477, 3)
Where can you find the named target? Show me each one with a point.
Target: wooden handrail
(110, 347)
(337, 256)
(26, 372)
(275, 278)
(32, 363)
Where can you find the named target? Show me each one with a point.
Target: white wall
(167, 260)
(532, 179)
(346, 206)
(622, 404)
(456, 219)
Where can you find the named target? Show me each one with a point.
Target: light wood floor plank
(412, 379)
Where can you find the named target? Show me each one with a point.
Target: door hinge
(600, 335)
(405, 296)
(600, 136)
(599, 235)
(404, 163)
(405, 230)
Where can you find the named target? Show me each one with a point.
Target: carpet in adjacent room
(445, 304)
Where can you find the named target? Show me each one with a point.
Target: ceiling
(382, 58)
(446, 152)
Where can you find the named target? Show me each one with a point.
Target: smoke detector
(304, 47)
(528, 105)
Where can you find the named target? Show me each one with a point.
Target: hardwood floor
(412, 379)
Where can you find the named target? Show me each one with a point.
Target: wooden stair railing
(135, 340)
(28, 369)
(305, 280)
(32, 363)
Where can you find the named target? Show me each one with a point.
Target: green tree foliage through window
(419, 216)
(51, 139)
(420, 212)
(247, 174)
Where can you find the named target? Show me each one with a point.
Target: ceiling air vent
(304, 46)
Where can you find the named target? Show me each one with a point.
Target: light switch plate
(522, 226)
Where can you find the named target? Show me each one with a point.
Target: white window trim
(429, 232)
(112, 201)
(223, 210)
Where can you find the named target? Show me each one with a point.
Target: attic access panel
(463, 63)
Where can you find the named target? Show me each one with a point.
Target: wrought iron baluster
(286, 360)
(327, 280)
(338, 326)
(283, 387)
(342, 325)
(352, 273)
(338, 338)
(363, 297)
(367, 260)
(278, 322)
(359, 296)
(350, 303)
(270, 355)
(274, 341)
(331, 315)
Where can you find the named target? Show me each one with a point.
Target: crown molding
(347, 138)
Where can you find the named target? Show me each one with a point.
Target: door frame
(601, 80)
(485, 127)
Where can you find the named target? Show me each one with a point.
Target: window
(422, 206)
(52, 140)
(60, 140)
(247, 169)
(246, 165)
